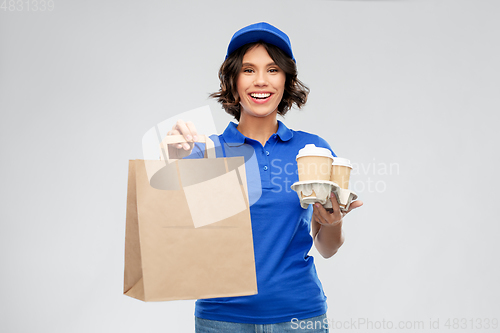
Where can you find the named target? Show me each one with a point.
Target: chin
(259, 114)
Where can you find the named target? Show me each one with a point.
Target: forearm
(329, 239)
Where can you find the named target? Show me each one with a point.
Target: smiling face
(260, 84)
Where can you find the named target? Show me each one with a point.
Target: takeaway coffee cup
(341, 171)
(314, 163)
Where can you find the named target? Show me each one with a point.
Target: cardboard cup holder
(312, 191)
(344, 198)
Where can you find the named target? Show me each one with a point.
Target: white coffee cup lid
(342, 161)
(312, 150)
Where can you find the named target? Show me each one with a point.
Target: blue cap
(260, 32)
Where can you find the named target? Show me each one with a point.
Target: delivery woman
(258, 81)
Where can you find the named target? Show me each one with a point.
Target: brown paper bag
(188, 232)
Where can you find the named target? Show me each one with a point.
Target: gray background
(408, 90)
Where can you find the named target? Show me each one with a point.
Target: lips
(260, 97)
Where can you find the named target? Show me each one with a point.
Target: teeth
(260, 95)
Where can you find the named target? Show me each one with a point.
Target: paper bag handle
(171, 139)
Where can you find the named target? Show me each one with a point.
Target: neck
(257, 128)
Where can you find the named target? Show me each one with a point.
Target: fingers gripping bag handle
(172, 139)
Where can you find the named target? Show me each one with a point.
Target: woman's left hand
(323, 217)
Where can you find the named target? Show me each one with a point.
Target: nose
(260, 79)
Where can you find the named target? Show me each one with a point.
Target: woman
(258, 82)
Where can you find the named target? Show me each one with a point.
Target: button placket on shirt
(266, 158)
(266, 148)
(268, 155)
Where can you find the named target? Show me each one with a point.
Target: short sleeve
(323, 144)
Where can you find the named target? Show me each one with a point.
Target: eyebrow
(250, 64)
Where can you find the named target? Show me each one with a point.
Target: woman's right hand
(186, 129)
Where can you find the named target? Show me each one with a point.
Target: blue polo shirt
(288, 286)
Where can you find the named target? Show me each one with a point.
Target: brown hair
(295, 91)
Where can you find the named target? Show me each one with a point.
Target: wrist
(335, 224)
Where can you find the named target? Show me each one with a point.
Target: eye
(247, 70)
(273, 70)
